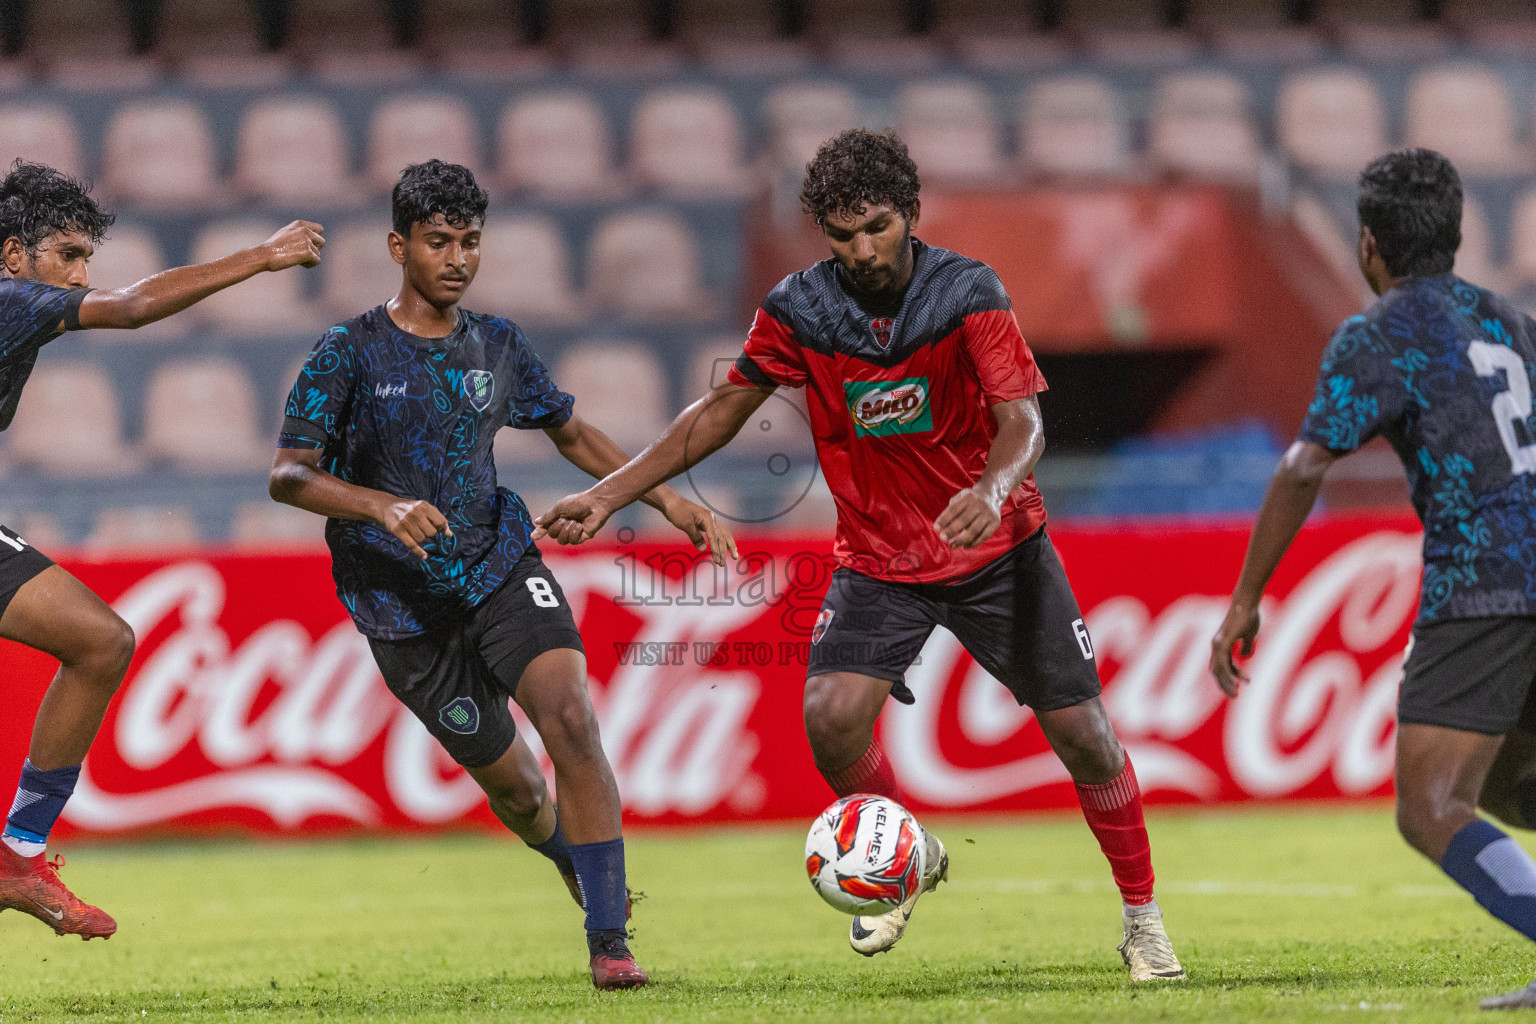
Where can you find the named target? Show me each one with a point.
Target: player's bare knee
(520, 797)
(569, 729)
(834, 725)
(106, 651)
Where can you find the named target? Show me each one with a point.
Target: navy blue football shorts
(458, 678)
(20, 562)
(1471, 674)
(1017, 617)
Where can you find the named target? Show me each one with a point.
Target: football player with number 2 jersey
(1444, 370)
(388, 434)
(922, 399)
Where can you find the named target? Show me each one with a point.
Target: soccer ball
(865, 854)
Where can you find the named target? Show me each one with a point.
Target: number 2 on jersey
(543, 596)
(1513, 403)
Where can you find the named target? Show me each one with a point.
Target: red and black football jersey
(900, 401)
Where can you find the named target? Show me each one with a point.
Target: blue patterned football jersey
(31, 315)
(416, 417)
(1445, 371)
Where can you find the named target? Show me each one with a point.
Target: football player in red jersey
(921, 393)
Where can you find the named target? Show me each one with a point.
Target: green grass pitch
(1278, 915)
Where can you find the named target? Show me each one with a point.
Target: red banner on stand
(253, 705)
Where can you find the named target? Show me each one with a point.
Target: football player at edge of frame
(1444, 371)
(388, 433)
(49, 229)
(922, 398)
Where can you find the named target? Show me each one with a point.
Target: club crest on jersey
(461, 716)
(881, 329)
(479, 386)
(881, 408)
(822, 622)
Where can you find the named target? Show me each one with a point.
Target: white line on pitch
(1203, 887)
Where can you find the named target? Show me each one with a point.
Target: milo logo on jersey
(881, 408)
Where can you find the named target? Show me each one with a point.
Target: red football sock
(871, 773)
(1114, 813)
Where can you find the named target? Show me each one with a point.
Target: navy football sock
(40, 799)
(556, 848)
(1497, 871)
(600, 873)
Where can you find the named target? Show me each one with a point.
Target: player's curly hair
(437, 187)
(859, 169)
(1410, 199)
(37, 201)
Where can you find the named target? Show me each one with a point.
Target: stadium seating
(412, 128)
(140, 528)
(267, 525)
(160, 154)
(292, 150)
(1201, 125)
(687, 140)
(620, 387)
(525, 272)
(1465, 112)
(1332, 121)
(644, 266)
(42, 133)
(264, 306)
(129, 254)
(802, 116)
(1075, 124)
(70, 424)
(556, 143)
(951, 130)
(201, 415)
(359, 271)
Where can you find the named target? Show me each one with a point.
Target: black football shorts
(458, 678)
(1017, 617)
(19, 563)
(1471, 674)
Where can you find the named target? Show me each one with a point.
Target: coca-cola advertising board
(253, 704)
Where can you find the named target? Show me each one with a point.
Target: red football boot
(32, 886)
(613, 965)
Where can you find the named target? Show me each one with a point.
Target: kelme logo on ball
(479, 385)
(881, 408)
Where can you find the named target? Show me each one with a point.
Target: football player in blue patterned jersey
(49, 228)
(1445, 371)
(388, 434)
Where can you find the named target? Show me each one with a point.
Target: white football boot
(1146, 949)
(871, 935)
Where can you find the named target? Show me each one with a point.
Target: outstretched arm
(157, 297)
(594, 453)
(699, 431)
(297, 479)
(1291, 495)
(975, 513)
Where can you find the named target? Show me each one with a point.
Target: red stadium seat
(69, 423)
(144, 527)
(1201, 125)
(160, 153)
(620, 387)
(1464, 111)
(951, 131)
(1075, 125)
(1332, 121)
(645, 266)
(557, 143)
(265, 305)
(201, 415)
(42, 133)
(525, 272)
(804, 115)
(412, 128)
(687, 139)
(293, 150)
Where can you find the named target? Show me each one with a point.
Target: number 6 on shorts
(543, 596)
